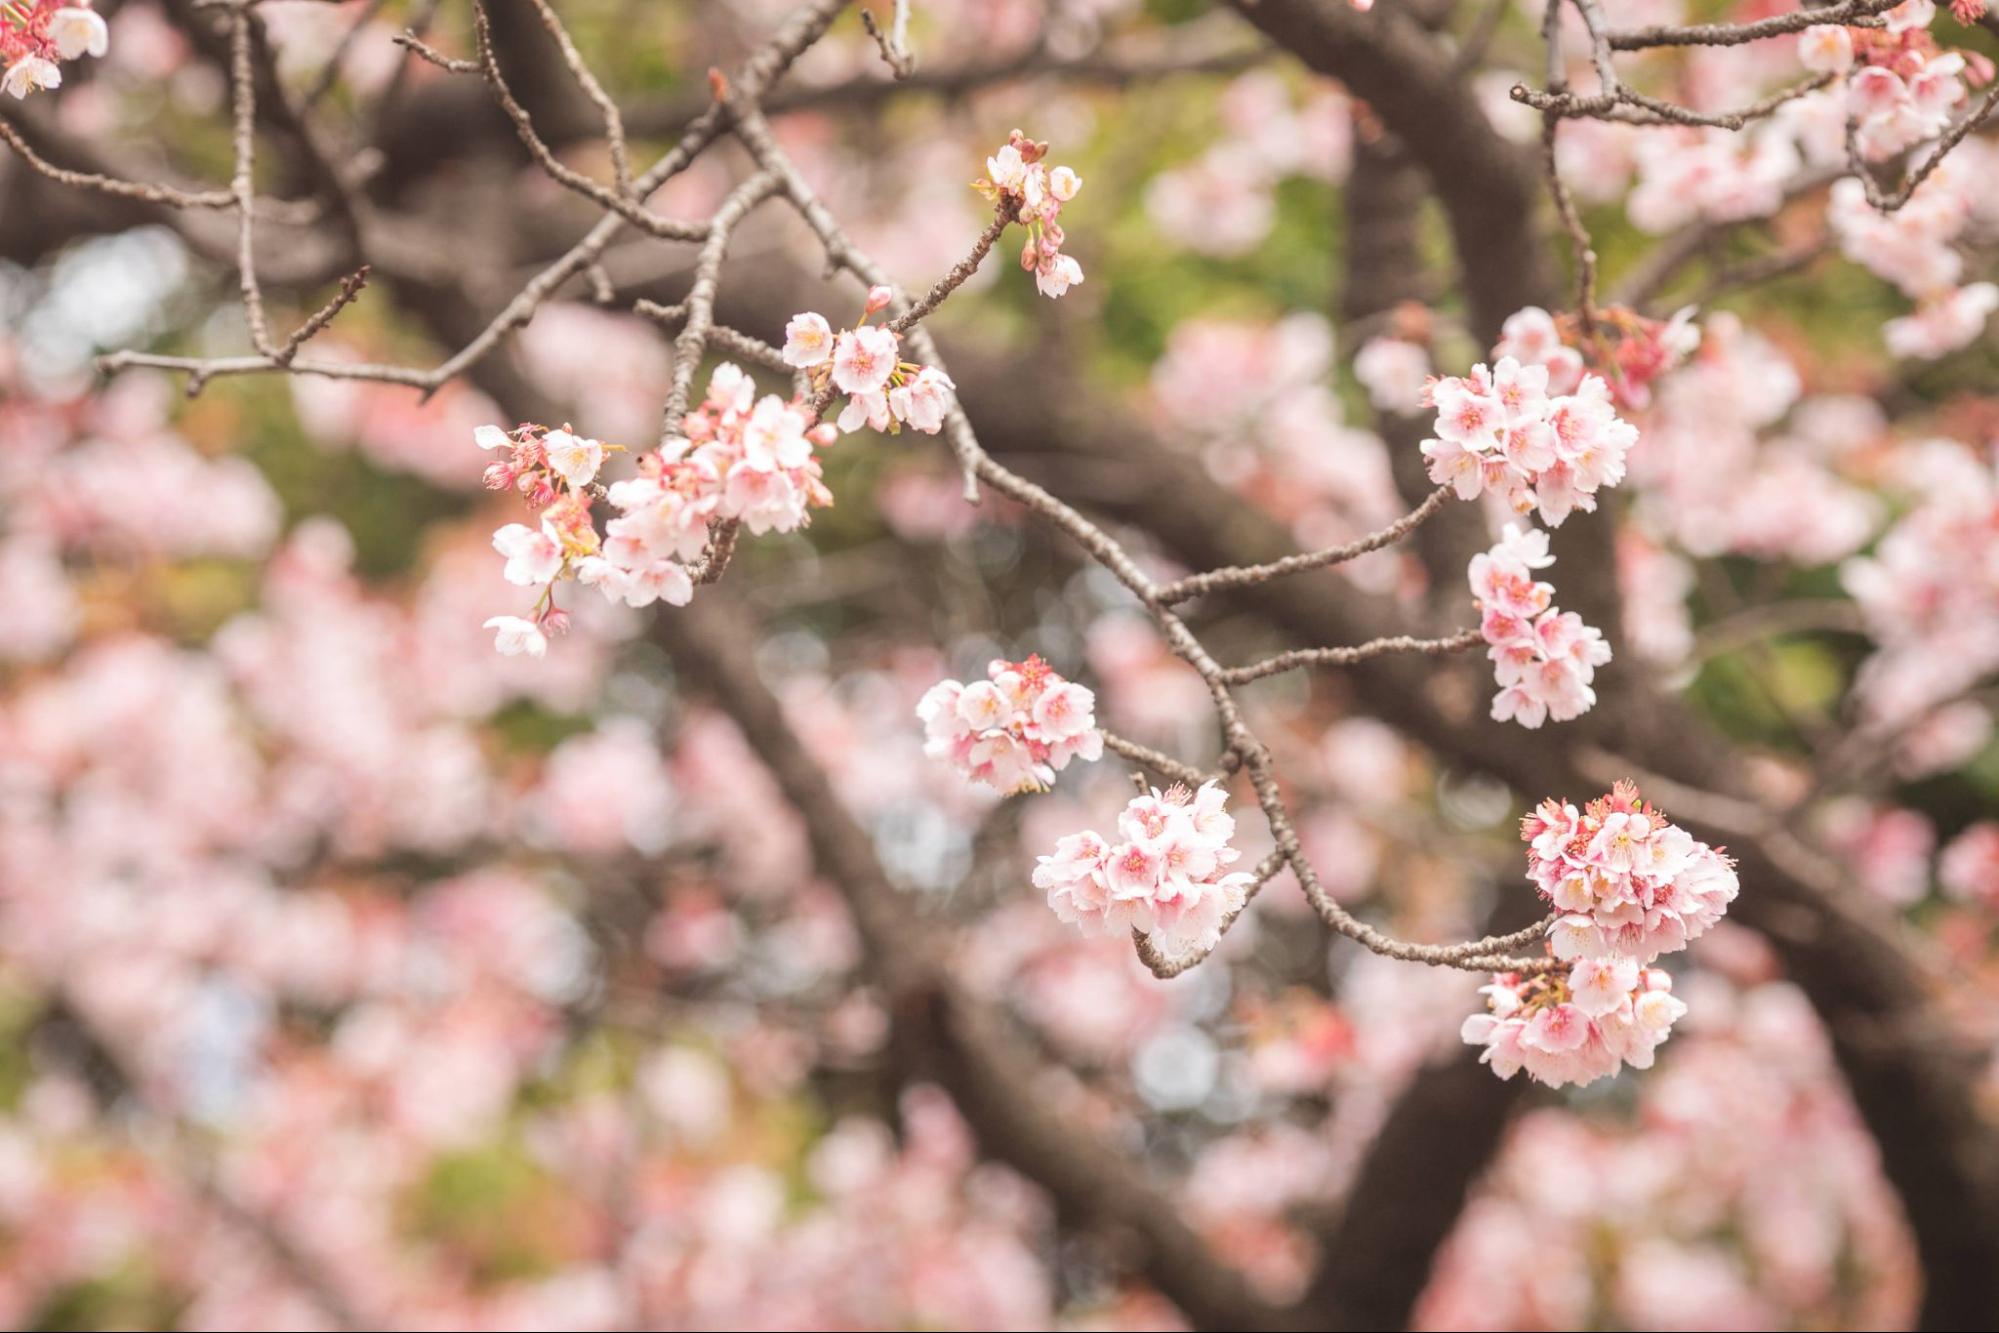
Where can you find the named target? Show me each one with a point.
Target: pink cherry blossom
(1543, 658)
(1167, 877)
(1013, 731)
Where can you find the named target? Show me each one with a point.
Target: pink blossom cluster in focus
(1166, 876)
(1013, 731)
(1632, 886)
(1512, 429)
(1543, 658)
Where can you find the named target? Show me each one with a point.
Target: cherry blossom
(885, 393)
(1575, 1029)
(738, 458)
(1503, 429)
(1165, 875)
(1394, 373)
(36, 36)
(1543, 658)
(1630, 883)
(1018, 178)
(1013, 731)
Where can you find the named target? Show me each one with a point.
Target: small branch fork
(736, 113)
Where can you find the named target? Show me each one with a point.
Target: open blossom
(534, 555)
(864, 358)
(1826, 48)
(30, 74)
(77, 32)
(1629, 883)
(1502, 429)
(808, 341)
(1164, 874)
(514, 636)
(1019, 176)
(1578, 1028)
(1014, 730)
(1544, 658)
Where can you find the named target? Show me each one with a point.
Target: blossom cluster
(884, 392)
(1543, 658)
(737, 459)
(1014, 730)
(1631, 885)
(1630, 882)
(1513, 430)
(1018, 174)
(1900, 89)
(1166, 874)
(36, 36)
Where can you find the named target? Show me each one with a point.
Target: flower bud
(878, 299)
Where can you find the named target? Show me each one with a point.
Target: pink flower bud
(1029, 256)
(555, 621)
(498, 477)
(878, 299)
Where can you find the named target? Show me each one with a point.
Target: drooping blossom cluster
(884, 392)
(1018, 174)
(1014, 730)
(1543, 657)
(1509, 429)
(1605, 1014)
(36, 36)
(738, 458)
(1632, 885)
(1166, 874)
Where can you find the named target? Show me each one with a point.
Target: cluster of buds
(36, 36)
(1019, 176)
(1631, 885)
(884, 392)
(1900, 87)
(1014, 730)
(1166, 875)
(1544, 658)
